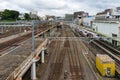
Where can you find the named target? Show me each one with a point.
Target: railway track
(75, 62)
(76, 71)
(65, 49)
(114, 52)
(13, 30)
(111, 52)
(83, 49)
(15, 42)
(57, 64)
(108, 49)
(68, 55)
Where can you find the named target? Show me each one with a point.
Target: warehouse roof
(105, 58)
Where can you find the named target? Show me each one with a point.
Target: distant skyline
(59, 7)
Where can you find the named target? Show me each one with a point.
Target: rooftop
(105, 58)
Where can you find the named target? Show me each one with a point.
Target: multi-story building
(69, 17)
(109, 14)
(108, 24)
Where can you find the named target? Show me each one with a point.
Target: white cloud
(58, 7)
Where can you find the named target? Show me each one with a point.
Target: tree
(9, 15)
(27, 16)
(0, 15)
(14, 14)
(5, 14)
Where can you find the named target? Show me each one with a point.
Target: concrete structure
(60, 19)
(78, 21)
(87, 21)
(69, 17)
(109, 14)
(108, 23)
(33, 69)
(42, 56)
(78, 17)
(49, 17)
(80, 14)
(108, 28)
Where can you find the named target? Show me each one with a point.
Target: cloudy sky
(59, 7)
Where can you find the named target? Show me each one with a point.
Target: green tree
(9, 14)
(0, 15)
(14, 14)
(27, 16)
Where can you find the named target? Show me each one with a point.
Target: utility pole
(33, 67)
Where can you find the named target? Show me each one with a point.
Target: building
(109, 14)
(87, 21)
(80, 14)
(33, 14)
(69, 17)
(109, 29)
(48, 17)
(60, 19)
(78, 17)
(108, 24)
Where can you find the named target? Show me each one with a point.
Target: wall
(107, 28)
(87, 21)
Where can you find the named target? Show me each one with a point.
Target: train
(84, 32)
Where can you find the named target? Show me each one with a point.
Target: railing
(108, 19)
